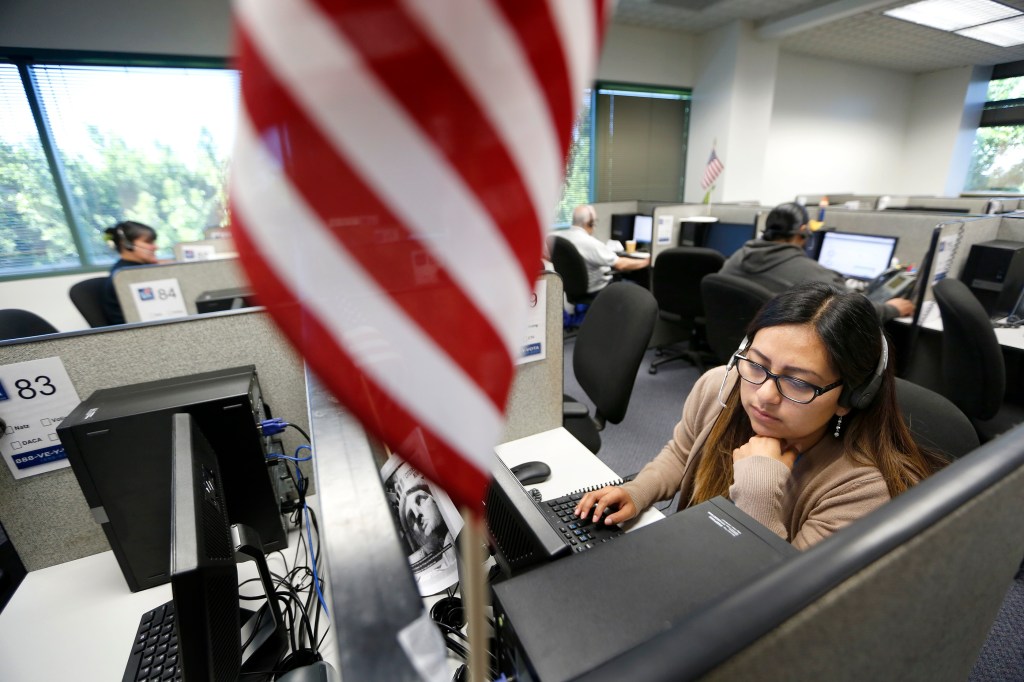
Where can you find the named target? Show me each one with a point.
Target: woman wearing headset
(135, 244)
(800, 430)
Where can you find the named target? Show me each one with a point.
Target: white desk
(77, 620)
(1008, 337)
(572, 466)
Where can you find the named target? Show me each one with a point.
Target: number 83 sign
(35, 397)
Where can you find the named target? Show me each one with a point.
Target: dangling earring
(839, 425)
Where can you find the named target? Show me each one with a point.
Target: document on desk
(35, 397)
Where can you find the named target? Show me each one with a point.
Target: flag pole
(474, 593)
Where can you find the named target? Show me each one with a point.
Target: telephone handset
(893, 283)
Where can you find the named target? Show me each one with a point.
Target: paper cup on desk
(631, 246)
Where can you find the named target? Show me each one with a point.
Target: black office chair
(973, 370)
(571, 267)
(609, 349)
(730, 303)
(87, 296)
(935, 422)
(17, 324)
(676, 287)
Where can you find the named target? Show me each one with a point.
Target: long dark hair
(874, 435)
(784, 221)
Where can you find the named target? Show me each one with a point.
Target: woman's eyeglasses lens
(794, 389)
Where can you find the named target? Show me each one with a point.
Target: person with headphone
(135, 244)
(777, 261)
(801, 429)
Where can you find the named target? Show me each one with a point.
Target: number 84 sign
(35, 397)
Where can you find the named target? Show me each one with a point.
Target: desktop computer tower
(118, 442)
(224, 299)
(693, 231)
(995, 273)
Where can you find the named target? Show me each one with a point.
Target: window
(997, 159)
(629, 142)
(83, 146)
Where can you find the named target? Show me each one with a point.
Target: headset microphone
(728, 368)
(123, 240)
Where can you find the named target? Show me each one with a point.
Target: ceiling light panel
(1004, 33)
(952, 15)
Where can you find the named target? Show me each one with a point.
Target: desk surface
(77, 620)
(1008, 337)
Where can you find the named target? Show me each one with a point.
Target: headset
(858, 397)
(122, 239)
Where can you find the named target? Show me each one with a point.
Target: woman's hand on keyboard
(613, 498)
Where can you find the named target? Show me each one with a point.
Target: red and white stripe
(713, 169)
(396, 166)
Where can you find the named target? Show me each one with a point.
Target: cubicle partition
(46, 515)
(192, 279)
(671, 216)
(605, 210)
(205, 249)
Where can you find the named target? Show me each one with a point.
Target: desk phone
(893, 283)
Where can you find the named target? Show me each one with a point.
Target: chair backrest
(610, 346)
(730, 303)
(908, 592)
(973, 370)
(17, 324)
(87, 296)
(569, 264)
(935, 422)
(677, 276)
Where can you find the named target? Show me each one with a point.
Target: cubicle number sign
(536, 325)
(198, 252)
(35, 397)
(159, 300)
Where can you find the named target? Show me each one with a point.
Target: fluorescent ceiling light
(952, 15)
(1003, 33)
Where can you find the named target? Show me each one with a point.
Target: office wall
(835, 127)
(47, 297)
(183, 27)
(651, 56)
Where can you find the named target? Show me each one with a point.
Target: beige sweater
(825, 491)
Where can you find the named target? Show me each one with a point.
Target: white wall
(836, 127)
(649, 56)
(181, 27)
(47, 297)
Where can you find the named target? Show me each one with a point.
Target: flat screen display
(727, 238)
(856, 256)
(643, 229)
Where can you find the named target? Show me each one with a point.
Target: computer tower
(224, 299)
(693, 231)
(118, 442)
(995, 273)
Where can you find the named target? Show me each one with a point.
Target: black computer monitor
(643, 229)
(727, 238)
(622, 226)
(217, 640)
(856, 256)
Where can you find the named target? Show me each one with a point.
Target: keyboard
(579, 534)
(155, 649)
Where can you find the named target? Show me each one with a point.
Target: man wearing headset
(777, 261)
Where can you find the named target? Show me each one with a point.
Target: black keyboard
(155, 649)
(579, 534)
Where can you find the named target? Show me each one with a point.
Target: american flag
(712, 170)
(395, 168)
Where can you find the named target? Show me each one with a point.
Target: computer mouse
(529, 473)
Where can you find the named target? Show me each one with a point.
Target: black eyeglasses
(791, 388)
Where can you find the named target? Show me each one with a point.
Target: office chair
(676, 287)
(609, 348)
(935, 422)
(87, 296)
(730, 303)
(17, 324)
(571, 267)
(973, 369)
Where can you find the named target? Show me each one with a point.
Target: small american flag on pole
(395, 168)
(712, 170)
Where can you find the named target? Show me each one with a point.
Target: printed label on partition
(664, 229)
(35, 397)
(198, 252)
(536, 325)
(158, 300)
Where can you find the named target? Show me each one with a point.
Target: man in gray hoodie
(777, 261)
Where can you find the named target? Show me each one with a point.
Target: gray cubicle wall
(193, 278)
(222, 247)
(726, 213)
(46, 515)
(1011, 227)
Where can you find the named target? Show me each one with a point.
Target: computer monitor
(727, 238)
(217, 640)
(856, 256)
(622, 226)
(643, 229)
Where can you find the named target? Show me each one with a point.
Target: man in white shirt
(600, 260)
